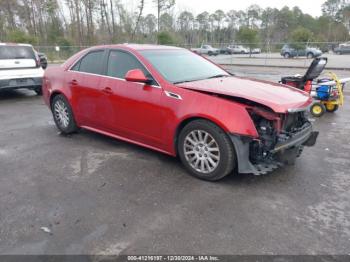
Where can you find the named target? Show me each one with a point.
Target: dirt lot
(98, 195)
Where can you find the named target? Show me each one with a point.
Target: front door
(135, 110)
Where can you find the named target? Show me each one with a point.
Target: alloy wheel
(61, 113)
(201, 151)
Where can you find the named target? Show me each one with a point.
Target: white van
(20, 67)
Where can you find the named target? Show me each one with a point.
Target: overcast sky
(312, 7)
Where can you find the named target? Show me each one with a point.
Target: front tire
(63, 115)
(286, 55)
(206, 151)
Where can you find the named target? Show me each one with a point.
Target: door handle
(73, 82)
(107, 90)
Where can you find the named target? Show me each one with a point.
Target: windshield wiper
(217, 76)
(185, 81)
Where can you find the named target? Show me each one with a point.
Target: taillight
(38, 64)
(37, 60)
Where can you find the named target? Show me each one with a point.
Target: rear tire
(206, 151)
(317, 109)
(63, 115)
(331, 108)
(38, 91)
(310, 55)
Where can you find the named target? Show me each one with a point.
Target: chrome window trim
(116, 78)
(112, 77)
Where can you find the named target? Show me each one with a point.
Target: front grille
(294, 122)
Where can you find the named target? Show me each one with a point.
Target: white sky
(312, 7)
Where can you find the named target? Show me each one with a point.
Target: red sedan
(177, 102)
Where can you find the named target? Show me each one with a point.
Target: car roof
(14, 44)
(126, 46)
(139, 47)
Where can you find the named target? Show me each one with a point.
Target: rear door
(83, 80)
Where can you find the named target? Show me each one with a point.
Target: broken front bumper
(285, 151)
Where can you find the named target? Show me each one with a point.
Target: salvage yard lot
(98, 195)
(276, 60)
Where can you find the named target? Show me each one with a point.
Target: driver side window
(119, 63)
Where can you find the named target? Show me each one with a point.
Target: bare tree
(162, 5)
(141, 6)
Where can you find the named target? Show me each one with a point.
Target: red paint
(136, 75)
(147, 116)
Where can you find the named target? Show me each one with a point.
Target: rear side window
(16, 52)
(90, 63)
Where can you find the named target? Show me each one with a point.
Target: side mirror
(136, 75)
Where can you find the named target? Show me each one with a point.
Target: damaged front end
(281, 140)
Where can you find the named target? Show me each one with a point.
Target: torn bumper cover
(285, 151)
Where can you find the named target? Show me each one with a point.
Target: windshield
(16, 52)
(178, 66)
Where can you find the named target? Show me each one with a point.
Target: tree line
(89, 22)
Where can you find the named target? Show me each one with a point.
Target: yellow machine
(329, 93)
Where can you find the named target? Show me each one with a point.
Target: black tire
(227, 159)
(38, 91)
(332, 109)
(317, 109)
(310, 55)
(210, 53)
(71, 127)
(286, 55)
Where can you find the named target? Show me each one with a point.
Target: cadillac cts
(177, 102)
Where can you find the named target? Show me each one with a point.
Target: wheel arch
(189, 119)
(56, 93)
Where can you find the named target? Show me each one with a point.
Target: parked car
(20, 67)
(310, 52)
(43, 60)
(347, 44)
(224, 51)
(146, 95)
(342, 49)
(206, 49)
(256, 51)
(237, 49)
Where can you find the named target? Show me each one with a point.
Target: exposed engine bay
(282, 137)
(281, 140)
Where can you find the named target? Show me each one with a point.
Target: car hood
(280, 98)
